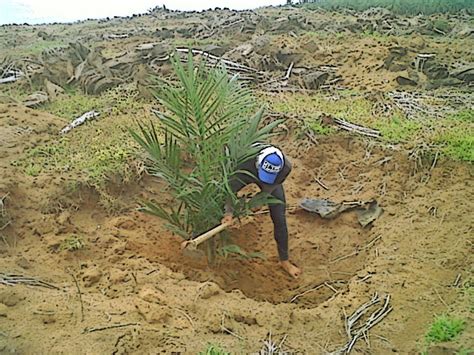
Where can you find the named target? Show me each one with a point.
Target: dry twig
(354, 332)
(98, 329)
(79, 293)
(357, 251)
(12, 280)
(228, 331)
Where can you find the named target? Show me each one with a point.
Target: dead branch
(456, 282)
(354, 331)
(98, 329)
(228, 331)
(79, 293)
(320, 183)
(288, 72)
(12, 280)
(357, 251)
(440, 298)
(190, 320)
(294, 298)
(351, 127)
(321, 285)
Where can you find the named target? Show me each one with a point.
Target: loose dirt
(131, 272)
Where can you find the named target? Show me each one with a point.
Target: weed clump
(445, 328)
(72, 243)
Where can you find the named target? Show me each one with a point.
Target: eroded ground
(132, 273)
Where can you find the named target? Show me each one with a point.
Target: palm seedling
(206, 127)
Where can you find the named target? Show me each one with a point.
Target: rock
(208, 290)
(3, 310)
(52, 89)
(150, 294)
(118, 276)
(153, 313)
(435, 71)
(10, 297)
(36, 99)
(146, 46)
(91, 276)
(442, 350)
(46, 36)
(214, 50)
(64, 218)
(404, 81)
(434, 84)
(23, 263)
(315, 80)
(465, 74)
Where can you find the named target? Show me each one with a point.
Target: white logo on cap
(267, 166)
(270, 168)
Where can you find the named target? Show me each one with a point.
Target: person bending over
(268, 169)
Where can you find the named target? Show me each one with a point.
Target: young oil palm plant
(206, 128)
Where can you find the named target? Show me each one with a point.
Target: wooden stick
(288, 73)
(294, 298)
(456, 282)
(98, 329)
(357, 251)
(79, 293)
(440, 298)
(192, 244)
(321, 184)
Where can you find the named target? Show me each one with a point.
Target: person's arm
(236, 184)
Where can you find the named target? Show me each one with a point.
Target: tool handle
(209, 234)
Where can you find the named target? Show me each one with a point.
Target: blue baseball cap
(269, 163)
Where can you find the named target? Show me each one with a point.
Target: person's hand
(291, 269)
(228, 219)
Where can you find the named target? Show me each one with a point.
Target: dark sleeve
(239, 180)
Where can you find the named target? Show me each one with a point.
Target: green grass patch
(72, 243)
(458, 143)
(445, 328)
(119, 100)
(397, 129)
(463, 116)
(454, 134)
(93, 154)
(32, 46)
(318, 128)
(214, 350)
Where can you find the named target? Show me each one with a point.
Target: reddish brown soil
(132, 270)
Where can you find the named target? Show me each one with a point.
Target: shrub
(200, 138)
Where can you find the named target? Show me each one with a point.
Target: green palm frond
(206, 127)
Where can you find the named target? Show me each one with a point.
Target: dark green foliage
(408, 7)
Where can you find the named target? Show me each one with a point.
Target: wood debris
(355, 329)
(80, 120)
(13, 279)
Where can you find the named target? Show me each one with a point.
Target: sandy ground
(140, 294)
